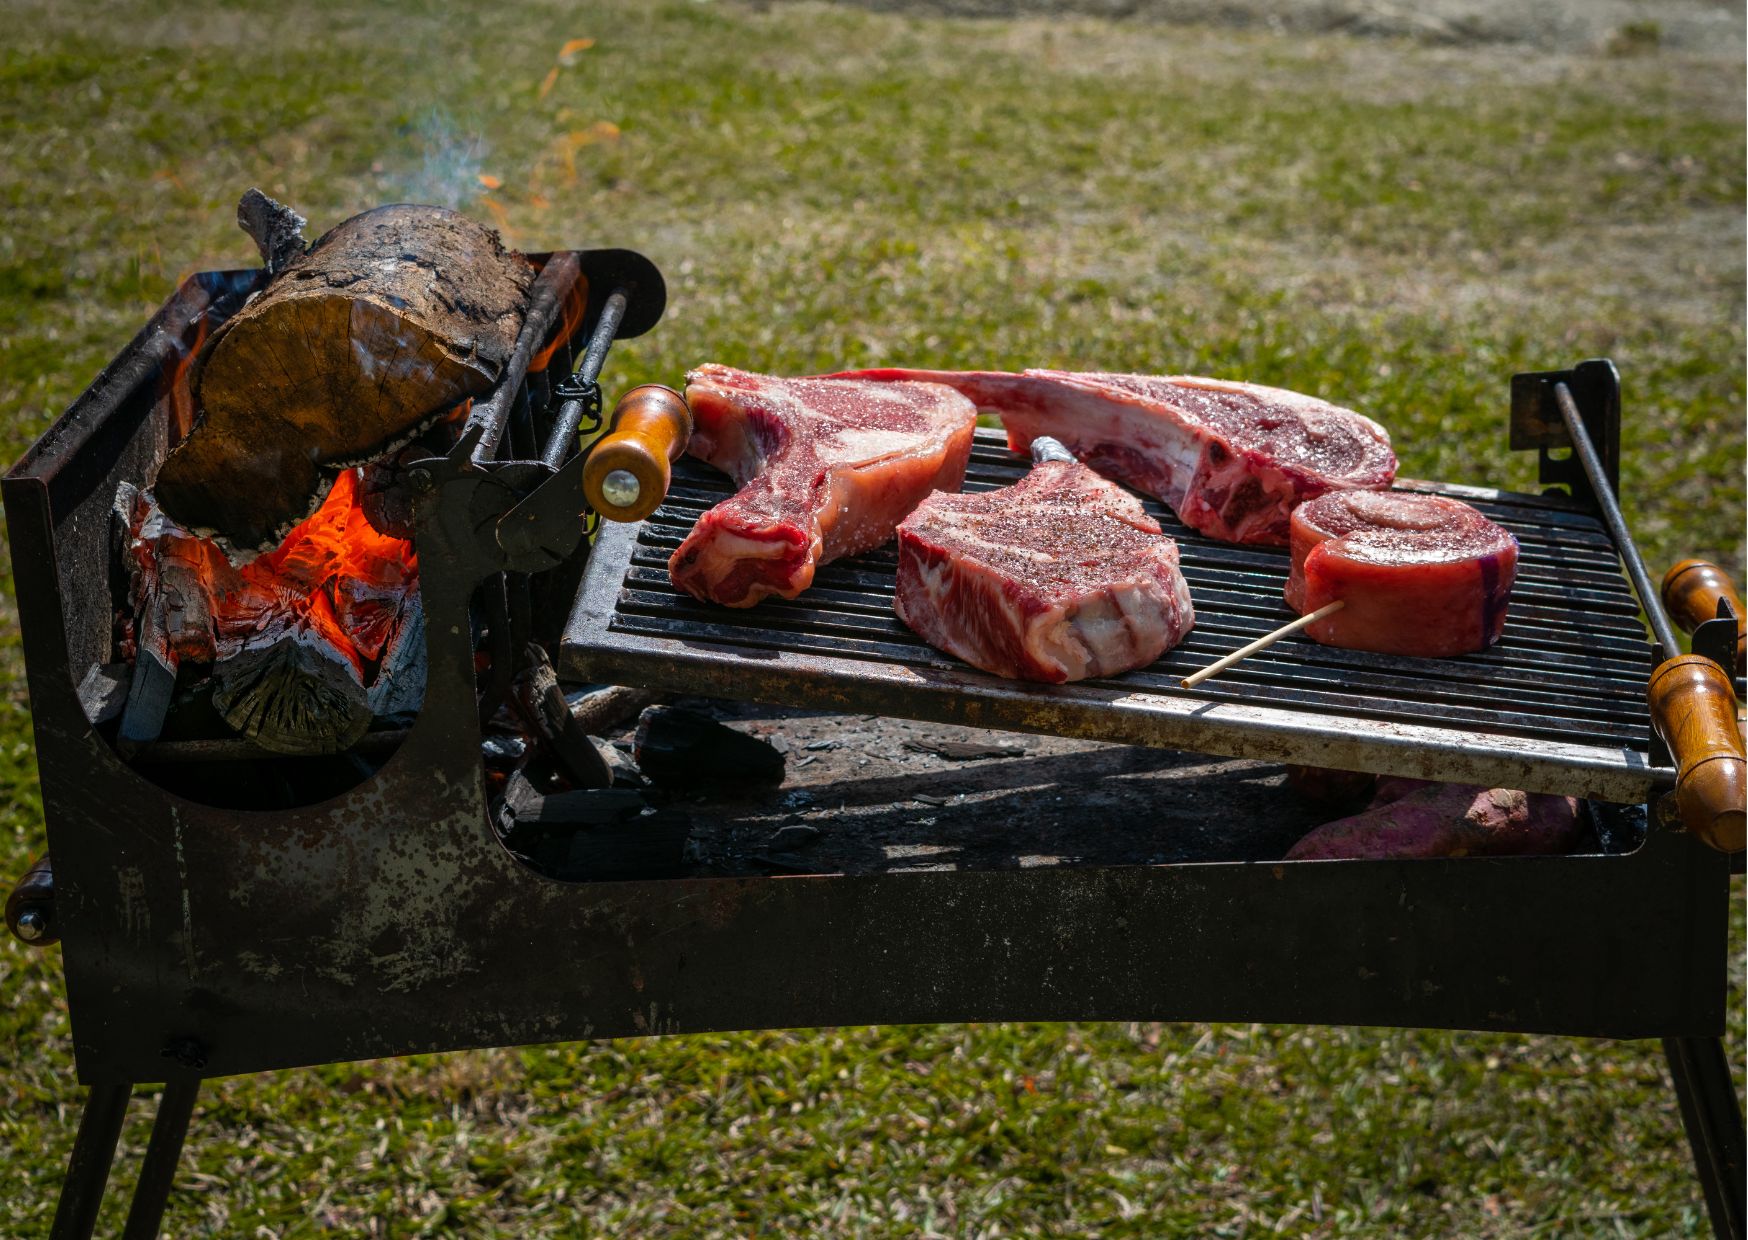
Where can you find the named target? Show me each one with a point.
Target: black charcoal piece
(682, 748)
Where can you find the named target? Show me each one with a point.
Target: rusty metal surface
(203, 942)
(1557, 706)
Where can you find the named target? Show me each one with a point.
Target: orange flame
(346, 572)
(173, 385)
(570, 318)
(333, 573)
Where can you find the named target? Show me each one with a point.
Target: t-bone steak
(1060, 577)
(826, 468)
(1231, 459)
(1416, 574)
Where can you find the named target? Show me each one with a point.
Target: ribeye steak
(1231, 459)
(1060, 577)
(1417, 574)
(825, 467)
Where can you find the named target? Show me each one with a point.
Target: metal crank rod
(580, 395)
(546, 300)
(623, 476)
(1693, 704)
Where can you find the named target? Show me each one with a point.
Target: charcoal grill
(1557, 707)
(201, 942)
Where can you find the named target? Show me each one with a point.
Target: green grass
(1393, 226)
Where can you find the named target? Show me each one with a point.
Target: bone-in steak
(1231, 459)
(1417, 574)
(826, 468)
(1059, 577)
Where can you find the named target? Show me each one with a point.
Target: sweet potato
(1412, 818)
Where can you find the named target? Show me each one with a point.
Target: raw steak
(1059, 577)
(825, 467)
(1231, 459)
(1418, 574)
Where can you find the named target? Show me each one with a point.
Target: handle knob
(30, 909)
(626, 476)
(1694, 710)
(1691, 591)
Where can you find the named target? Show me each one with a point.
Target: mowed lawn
(1395, 226)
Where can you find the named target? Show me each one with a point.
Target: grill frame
(840, 645)
(200, 942)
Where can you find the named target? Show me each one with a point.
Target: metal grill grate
(1558, 705)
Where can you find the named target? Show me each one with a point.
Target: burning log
(292, 636)
(351, 350)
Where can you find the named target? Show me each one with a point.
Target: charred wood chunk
(104, 691)
(277, 230)
(541, 702)
(296, 694)
(389, 321)
(399, 688)
(390, 503)
(599, 711)
(594, 833)
(678, 747)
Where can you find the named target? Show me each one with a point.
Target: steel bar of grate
(1558, 705)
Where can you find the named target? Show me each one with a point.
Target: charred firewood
(289, 636)
(104, 691)
(379, 330)
(277, 230)
(399, 688)
(601, 710)
(679, 747)
(149, 693)
(387, 498)
(298, 693)
(540, 701)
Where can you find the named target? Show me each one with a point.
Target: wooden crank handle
(626, 475)
(1691, 591)
(30, 909)
(1693, 709)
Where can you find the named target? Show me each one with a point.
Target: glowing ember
(334, 574)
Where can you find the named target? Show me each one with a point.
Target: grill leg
(158, 1169)
(1713, 1119)
(88, 1168)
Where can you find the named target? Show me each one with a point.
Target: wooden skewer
(1266, 640)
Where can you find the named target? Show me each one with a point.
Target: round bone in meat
(1419, 574)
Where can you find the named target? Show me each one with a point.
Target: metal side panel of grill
(1558, 705)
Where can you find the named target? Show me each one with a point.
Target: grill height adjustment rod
(1693, 704)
